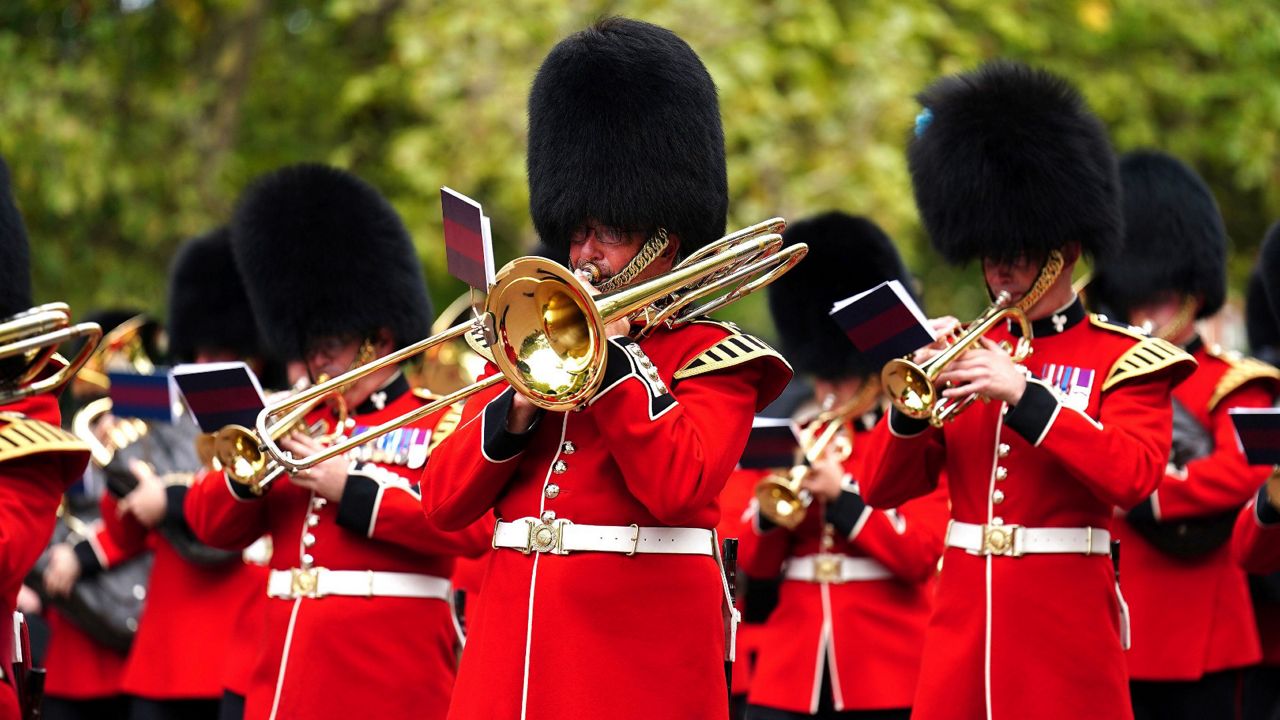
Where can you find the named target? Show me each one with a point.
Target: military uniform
(1211, 626)
(1027, 574)
(359, 588)
(38, 462)
(856, 594)
(616, 503)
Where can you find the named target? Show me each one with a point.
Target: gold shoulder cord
(1049, 273)
(652, 248)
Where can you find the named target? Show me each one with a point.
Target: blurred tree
(132, 125)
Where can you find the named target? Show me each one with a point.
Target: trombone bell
(781, 498)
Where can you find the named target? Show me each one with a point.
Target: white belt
(825, 568)
(560, 537)
(1016, 540)
(318, 582)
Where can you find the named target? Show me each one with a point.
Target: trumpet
(781, 495)
(237, 450)
(28, 344)
(912, 388)
(546, 331)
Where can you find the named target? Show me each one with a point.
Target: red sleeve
(100, 550)
(1128, 445)
(911, 460)
(675, 448)
(381, 505)
(1255, 543)
(908, 540)
(126, 533)
(222, 517)
(1221, 480)
(761, 550)
(469, 469)
(28, 505)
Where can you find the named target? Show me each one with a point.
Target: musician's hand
(942, 328)
(327, 479)
(29, 601)
(146, 502)
(521, 415)
(987, 370)
(825, 477)
(63, 570)
(618, 328)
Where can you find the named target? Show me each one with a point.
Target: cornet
(912, 387)
(28, 344)
(781, 495)
(547, 331)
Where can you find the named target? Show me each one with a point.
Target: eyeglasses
(603, 234)
(330, 347)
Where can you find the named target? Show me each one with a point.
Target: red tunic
(595, 634)
(1038, 636)
(1255, 543)
(34, 472)
(1211, 626)
(341, 656)
(735, 501)
(870, 632)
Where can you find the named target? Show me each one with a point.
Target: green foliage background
(132, 125)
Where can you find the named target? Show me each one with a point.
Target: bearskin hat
(624, 128)
(1008, 161)
(1174, 239)
(323, 254)
(208, 306)
(15, 263)
(1261, 326)
(1269, 268)
(847, 255)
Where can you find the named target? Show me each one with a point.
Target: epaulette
(445, 427)
(1242, 370)
(1147, 356)
(1106, 323)
(21, 436)
(424, 394)
(736, 349)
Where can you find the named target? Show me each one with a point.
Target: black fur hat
(1269, 268)
(15, 262)
(323, 254)
(847, 255)
(624, 128)
(1008, 161)
(1261, 326)
(208, 306)
(1174, 238)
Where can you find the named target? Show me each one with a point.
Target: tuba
(781, 495)
(29, 342)
(546, 331)
(912, 387)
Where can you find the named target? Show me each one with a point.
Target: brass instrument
(28, 343)
(121, 433)
(546, 331)
(912, 387)
(237, 451)
(449, 366)
(781, 494)
(122, 347)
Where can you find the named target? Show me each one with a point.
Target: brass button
(997, 521)
(308, 540)
(318, 503)
(313, 520)
(552, 491)
(1001, 472)
(140, 592)
(997, 497)
(307, 560)
(548, 517)
(558, 467)
(1003, 450)
(568, 448)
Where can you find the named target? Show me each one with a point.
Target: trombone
(28, 344)
(912, 388)
(781, 495)
(546, 331)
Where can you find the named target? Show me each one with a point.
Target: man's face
(1014, 277)
(610, 250)
(1158, 313)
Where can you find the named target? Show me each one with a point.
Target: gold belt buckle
(1001, 540)
(827, 569)
(304, 582)
(545, 537)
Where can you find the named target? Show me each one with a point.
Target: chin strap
(1178, 323)
(652, 248)
(1049, 273)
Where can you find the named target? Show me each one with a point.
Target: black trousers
(145, 709)
(1262, 693)
(1216, 695)
(232, 706)
(111, 708)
